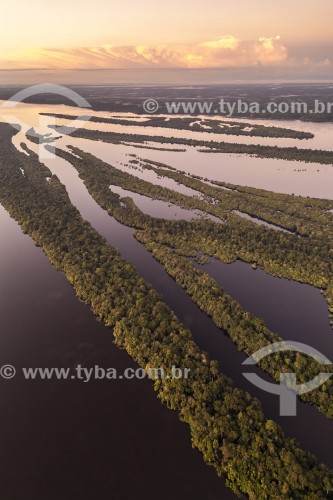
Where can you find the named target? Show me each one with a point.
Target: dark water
(112, 439)
(298, 312)
(71, 440)
(310, 428)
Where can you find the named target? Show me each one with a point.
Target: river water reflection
(100, 427)
(69, 439)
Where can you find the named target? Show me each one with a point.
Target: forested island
(282, 153)
(304, 256)
(199, 125)
(227, 425)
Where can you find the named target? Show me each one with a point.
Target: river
(87, 440)
(136, 440)
(210, 338)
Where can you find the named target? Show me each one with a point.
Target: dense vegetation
(227, 426)
(302, 215)
(307, 259)
(202, 125)
(290, 153)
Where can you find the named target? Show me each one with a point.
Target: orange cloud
(225, 52)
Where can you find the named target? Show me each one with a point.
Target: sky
(105, 41)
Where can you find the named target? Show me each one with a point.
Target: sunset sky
(85, 42)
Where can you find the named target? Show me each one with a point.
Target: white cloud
(225, 52)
